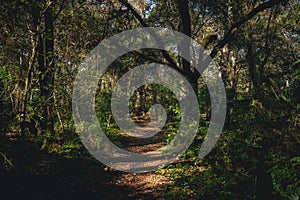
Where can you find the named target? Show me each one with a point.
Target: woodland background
(256, 46)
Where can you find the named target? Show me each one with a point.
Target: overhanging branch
(232, 31)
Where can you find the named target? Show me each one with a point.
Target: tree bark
(35, 37)
(46, 67)
(184, 47)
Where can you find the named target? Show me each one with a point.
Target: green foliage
(286, 176)
(198, 180)
(70, 149)
(6, 79)
(7, 163)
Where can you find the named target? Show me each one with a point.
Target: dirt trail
(141, 185)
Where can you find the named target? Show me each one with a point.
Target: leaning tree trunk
(34, 38)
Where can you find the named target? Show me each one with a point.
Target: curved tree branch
(144, 24)
(235, 27)
(134, 12)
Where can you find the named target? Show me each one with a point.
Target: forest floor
(139, 185)
(48, 176)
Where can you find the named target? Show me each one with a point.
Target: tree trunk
(35, 37)
(184, 48)
(263, 184)
(46, 67)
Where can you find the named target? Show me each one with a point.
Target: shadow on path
(39, 175)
